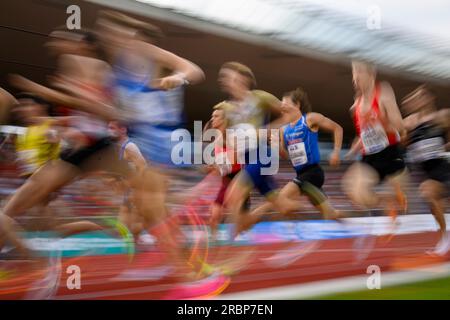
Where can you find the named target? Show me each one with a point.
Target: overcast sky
(426, 16)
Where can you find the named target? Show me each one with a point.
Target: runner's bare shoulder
(84, 68)
(386, 90)
(442, 116)
(6, 102)
(267, 101)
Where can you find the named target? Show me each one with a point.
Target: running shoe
(442, 247)
(47, 287)
(291, 255)
(208, 287)
(362, 247)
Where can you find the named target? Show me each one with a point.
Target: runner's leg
(358, 183)
(36, 189)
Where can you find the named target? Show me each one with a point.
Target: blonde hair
(243, 70)
(371, 68)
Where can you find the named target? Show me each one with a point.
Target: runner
(148, 85)
(299, 143)
(225, 165)
(38, 145)
(427, 128)
(246, 111)
(7, 102)
(81, 74)
(379, 127)
(151, 104)
(129, 151)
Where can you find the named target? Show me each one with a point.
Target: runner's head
(30, 107)
(116, 29)
(117, 130)
(295, 102)
(421, 99)
(364, 75)
(236, 79)
(78, 42)
(218, 118)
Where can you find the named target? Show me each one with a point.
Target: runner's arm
(62, 121)
(387, 99)
(443, 117)
(323, 123)
(354, 149)
(408, 123)
(134, 155)
(184, 70)
(356, 146)
(272, 105)
(98, 108)
(283, 152)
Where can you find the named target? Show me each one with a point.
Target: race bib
(297, 154)
(427, 149)
(374, 139)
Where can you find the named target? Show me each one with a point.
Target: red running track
(331, 260)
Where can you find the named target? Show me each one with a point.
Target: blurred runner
(129, 151)
(38, 145)
(299, 143)
(427, 129)
(82, 75)
(225, 164)
(247, 110)
(148, 87)
(151, 104)
(379, 127)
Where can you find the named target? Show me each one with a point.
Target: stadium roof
(302, 27)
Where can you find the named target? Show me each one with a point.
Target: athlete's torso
(426, 142)
(122, 153)
(123, 147)
(372, 126)
(86, 78)
(34, 150)
(302, 144)
(250, 114)
(141, 102)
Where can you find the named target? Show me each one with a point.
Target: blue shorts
(264, 183)
(154, 142)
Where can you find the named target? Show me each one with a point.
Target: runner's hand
(335, 159)
(171, 82)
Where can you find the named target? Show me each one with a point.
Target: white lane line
(348, 284)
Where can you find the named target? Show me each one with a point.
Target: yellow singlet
(34, 149)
